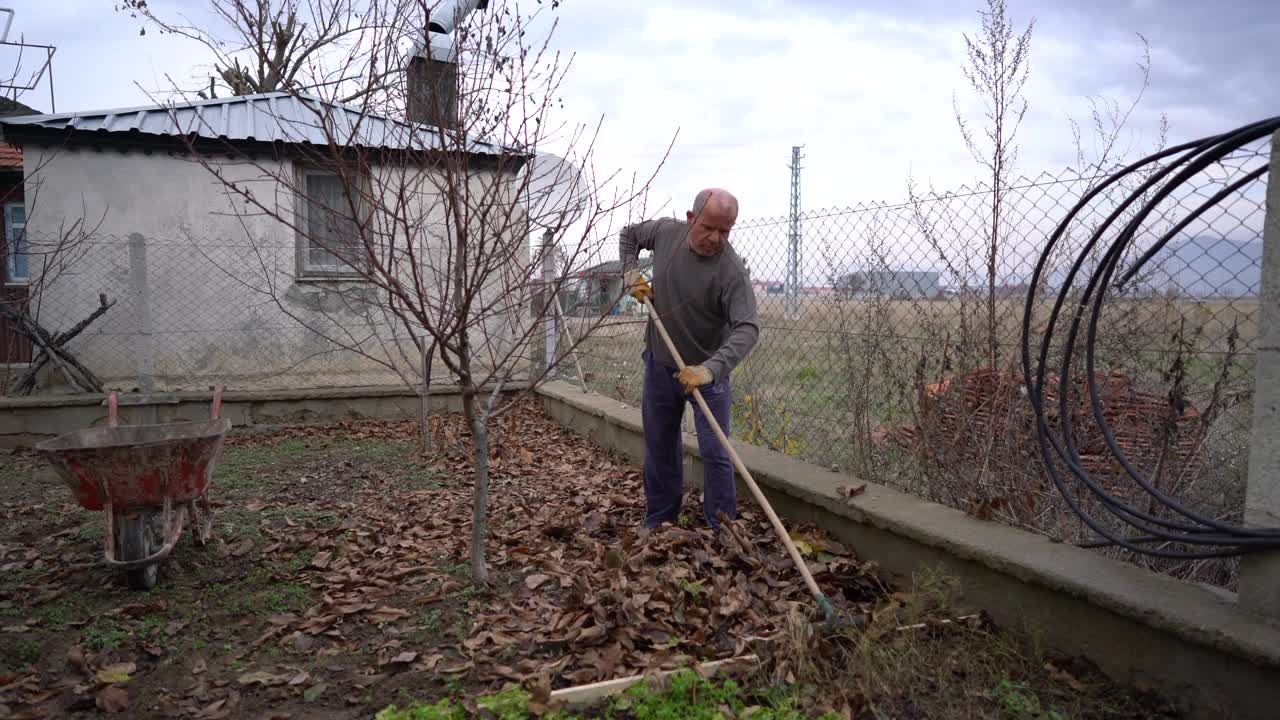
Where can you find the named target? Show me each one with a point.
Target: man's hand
(638, 287)
(694, 376)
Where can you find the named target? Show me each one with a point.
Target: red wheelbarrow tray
(137, 465)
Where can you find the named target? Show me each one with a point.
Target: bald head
(719, 199)
(712, 217)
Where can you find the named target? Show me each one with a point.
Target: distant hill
(1202, 266)
(1211, 267)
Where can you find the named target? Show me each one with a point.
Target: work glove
(694, 376)
(638, 287)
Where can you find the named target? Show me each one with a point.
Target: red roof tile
(10, 156)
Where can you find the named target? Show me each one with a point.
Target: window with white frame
(330, 241)
(17, 263)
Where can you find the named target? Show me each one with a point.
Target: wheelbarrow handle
(216, 411)
(113, 409)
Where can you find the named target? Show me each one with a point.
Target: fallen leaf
(75, 658)
(116, 673)
(387, 614)
(314, 692)
(321, 560)
(526, 457)
(1063, 676)
(848, 492)
(405, 657)
(533, 582)
(199, 666)
(300, 678)
(261, 677)
(112, 699)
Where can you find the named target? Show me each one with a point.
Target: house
(889, 283)
(208, 288)
(597, 290)
(15, 348)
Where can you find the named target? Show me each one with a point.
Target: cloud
(866, 89)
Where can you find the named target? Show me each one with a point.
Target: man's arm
(744, 328)
(633, 239)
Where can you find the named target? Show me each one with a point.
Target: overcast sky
(865, 86)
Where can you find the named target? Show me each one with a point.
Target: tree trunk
(480, 509)
(428, 446)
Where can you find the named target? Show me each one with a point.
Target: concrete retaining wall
(26, 421)
(1192, 644)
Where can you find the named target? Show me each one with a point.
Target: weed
(459, 570)
(694, 589)
(1018, 702)
(23, 654)
(443, 710)
(510, 704)
(289, 596)
(56, 613)
(103, 634)
(90, 533)
(430, 620)
(301, 560)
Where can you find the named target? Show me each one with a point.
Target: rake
(828, 610)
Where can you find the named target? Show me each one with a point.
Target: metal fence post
(548, 292)
(1260, 572)
(140, 293)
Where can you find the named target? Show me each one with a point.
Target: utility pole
(793, 238)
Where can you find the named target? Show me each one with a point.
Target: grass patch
(103, 634)
(240, 466)
(260, 591)
(681, 696)
(21, 655)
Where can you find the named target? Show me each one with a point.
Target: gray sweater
(706, 303)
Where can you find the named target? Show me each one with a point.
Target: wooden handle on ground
(742, 469)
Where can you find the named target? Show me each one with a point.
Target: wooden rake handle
(823, 602)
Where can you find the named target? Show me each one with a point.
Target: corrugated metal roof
(267, 117)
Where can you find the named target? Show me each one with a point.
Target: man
(703, 295)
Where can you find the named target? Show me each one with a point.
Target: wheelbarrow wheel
(138, 539)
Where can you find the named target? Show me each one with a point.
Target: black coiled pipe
(1198, 535)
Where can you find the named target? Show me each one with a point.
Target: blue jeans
(662, 409)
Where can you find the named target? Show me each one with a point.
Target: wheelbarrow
(148, 480)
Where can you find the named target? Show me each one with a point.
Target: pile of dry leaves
(581, 591)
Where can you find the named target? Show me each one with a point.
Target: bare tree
(420, 229)
(998, 67)
(344, 49)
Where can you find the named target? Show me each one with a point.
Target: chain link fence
(893, 350)
(890, 346)
(178, 314)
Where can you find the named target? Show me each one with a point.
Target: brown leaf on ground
(75, 658)
(112, 699)
(849, 492)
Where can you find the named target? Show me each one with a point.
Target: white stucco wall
(218, 273)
